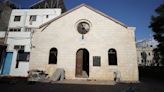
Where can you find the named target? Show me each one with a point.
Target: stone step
(87, 82)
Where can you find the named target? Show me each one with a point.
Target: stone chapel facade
(87, 44)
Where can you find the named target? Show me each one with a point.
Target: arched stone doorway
(82, 63)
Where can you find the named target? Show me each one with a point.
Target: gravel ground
(21, 85)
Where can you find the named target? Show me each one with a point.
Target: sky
(133, 13)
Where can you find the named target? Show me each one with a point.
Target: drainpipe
(24, 22)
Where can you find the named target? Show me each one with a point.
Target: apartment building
(21, 27)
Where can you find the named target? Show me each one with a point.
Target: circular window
(83, 27)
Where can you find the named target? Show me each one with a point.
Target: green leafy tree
(157, 26)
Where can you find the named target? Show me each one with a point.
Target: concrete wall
(2, 34)
(24, 38)
(103, 35)
(22, 68)
(19, 38)
(25, 17)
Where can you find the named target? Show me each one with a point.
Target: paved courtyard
(21, 85)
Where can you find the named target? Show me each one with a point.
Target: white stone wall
(149, 54)
(103, 35)
(146, 46)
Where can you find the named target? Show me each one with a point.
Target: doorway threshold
(84, 81)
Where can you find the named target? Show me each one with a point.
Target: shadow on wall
(154, 72)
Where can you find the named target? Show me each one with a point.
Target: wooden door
(79, 63)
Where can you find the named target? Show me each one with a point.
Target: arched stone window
(112, 57)
(53, 56)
